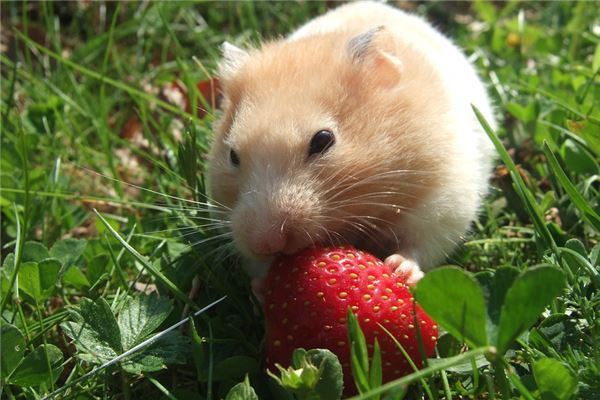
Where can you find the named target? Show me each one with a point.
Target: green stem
(490, 384)
(48, 365)
(125, 385)
(501, 380)
(18, 257)
(21, 231)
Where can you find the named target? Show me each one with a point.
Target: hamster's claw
(405, 268)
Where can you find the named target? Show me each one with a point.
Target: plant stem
(125, 385)
(500, 379)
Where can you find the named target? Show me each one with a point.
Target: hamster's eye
(321, 142)
(235, 160)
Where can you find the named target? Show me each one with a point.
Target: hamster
(357, 128)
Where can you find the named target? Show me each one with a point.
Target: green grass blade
(119, 85)
(442, 365)
(587, 212)
(157, 274)
(520, 186)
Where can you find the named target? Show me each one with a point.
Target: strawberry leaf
(169, 349)
(455, 300)
(314, 374)
(100, 338)
(96, 334)
(242, 391)
(331, 381)
(140, 316)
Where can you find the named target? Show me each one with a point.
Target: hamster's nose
(273, 241)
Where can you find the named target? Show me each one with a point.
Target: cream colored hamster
(358, 129)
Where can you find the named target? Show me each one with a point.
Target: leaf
(12, 346)
(242, 391)
(39, 280)
(578, 159)
(455, 301)
(485, 10)
(525, 114)
(587, 212)
(98, 339)
(577, 262)
(34, 251)
(526, 299)
(67, 251)
(576, 245)
(233, 368)
(331, 380)
(169, 349)
(494, 288)
(595, 255)
(554, 380)
(98, 335)
(34, 369)
(29, 280)
(91, 347)
(314, 374)
(558, 331)
(75, 277)
(140, 316)
(97, 267)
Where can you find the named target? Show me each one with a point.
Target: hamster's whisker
(343, 205)
(307, 233)
(222, 235)
(373, 179)
(144, 188)
(375, 195)
(194, 229)
(328, 233)
(192, 217)
(214, 209)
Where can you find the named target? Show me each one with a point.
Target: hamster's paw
(405, 268)
(258, 288)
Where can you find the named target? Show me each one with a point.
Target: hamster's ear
(369, 49)
(233, 59)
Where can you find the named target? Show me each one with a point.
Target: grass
(92, 120)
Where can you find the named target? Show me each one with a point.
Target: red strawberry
(307, 296)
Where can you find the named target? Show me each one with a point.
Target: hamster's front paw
(404, 267)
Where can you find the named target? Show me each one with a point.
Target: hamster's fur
(409, 165)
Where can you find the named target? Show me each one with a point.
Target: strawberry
(307, 296)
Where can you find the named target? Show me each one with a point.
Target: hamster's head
(320, 142)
